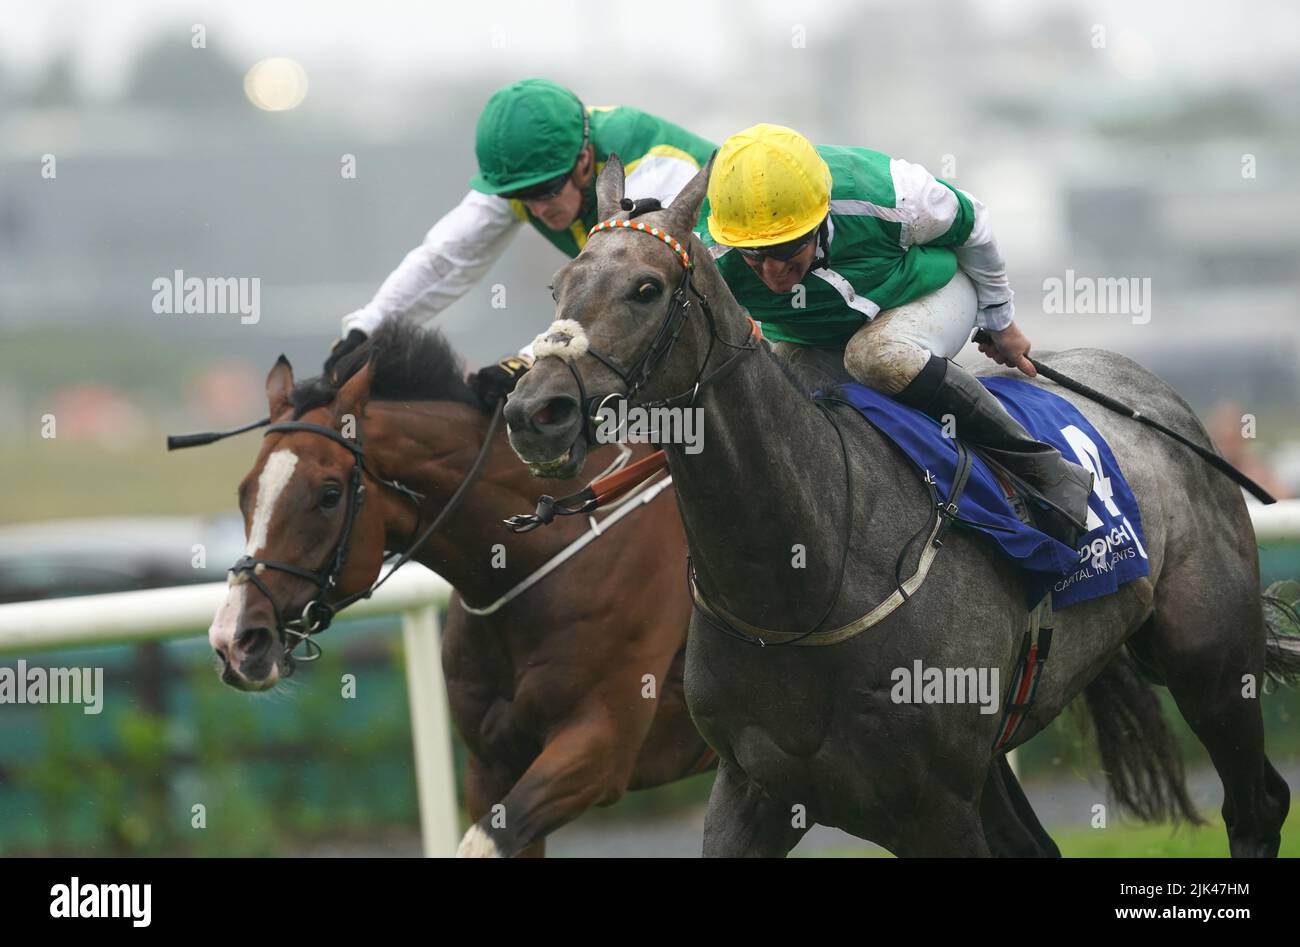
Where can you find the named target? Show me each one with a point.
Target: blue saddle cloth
(1112, 552)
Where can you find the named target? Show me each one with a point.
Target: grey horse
(810, 734)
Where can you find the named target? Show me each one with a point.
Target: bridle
(318, 613)
(670, 328)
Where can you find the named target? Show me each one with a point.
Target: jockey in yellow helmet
(851, 252)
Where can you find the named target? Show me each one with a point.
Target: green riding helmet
(529, 132)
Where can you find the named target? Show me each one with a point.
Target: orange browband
(667, 238)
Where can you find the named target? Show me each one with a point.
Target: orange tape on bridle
(616, 224)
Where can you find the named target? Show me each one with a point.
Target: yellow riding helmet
(768, 185)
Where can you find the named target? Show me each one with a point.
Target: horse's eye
(648, 291)
(330, 498)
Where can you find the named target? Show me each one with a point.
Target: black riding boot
(945, 388)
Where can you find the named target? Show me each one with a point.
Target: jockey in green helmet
(539, 150)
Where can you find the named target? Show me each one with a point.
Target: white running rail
(187, 610)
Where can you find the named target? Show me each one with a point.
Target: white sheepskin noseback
(565, 339)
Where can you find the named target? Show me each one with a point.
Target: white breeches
(891, 349)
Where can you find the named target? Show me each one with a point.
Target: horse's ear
(684, 211)
(279, 386)
(354, 394)
(609, 188)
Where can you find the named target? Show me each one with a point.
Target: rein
(600, 491)
(317, 614)
(628, 502)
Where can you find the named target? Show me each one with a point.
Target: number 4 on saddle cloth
(1110, 554)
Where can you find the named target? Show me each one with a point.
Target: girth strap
(1034, 648)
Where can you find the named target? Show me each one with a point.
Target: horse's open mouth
(547, 468)
(563, 467)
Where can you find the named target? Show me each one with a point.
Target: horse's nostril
(555, 412)
(253, 642)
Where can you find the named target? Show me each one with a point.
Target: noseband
(318, 613)
(665, 338)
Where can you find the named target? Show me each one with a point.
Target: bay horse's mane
(412, 363)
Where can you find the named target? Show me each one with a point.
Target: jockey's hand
(1009, 346)
(342, 347)
(495, 382)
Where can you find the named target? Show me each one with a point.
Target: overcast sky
(1190, 41)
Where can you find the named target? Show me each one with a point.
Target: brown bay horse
(568, 695)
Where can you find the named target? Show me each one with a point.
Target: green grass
(65, 479)
(1134, 840)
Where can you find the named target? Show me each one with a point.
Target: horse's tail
(1139, 752)
(1282, 623)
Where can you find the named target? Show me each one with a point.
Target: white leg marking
(477, 844)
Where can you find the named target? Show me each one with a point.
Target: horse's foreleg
(744, 821)
(485, 785)
(581, 766)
